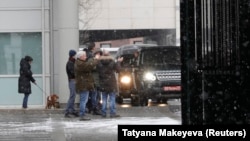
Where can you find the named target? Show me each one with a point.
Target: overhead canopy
(105, 35)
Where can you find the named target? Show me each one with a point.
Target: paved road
(50, 125)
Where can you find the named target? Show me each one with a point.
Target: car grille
(168, 75)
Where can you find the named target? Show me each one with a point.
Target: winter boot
(97, 112)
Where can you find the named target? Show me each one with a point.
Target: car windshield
(163, 56)
(127, 60)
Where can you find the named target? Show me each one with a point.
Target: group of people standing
(91, 72)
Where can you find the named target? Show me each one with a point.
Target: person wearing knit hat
(72, 53)
(70, 110)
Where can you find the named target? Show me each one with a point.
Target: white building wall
(21, 15)
(129, 14)
(66, 37)
(29, 16)
(177, 23)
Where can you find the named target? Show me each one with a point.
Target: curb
(32, 111)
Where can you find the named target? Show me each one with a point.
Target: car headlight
(149, 76)
(125, 79)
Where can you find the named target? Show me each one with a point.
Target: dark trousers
(25, 100)
(93, 101)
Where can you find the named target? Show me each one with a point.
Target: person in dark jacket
(24, 85)
(95, 95)
(107, 68)
(84, 79)
(92, 104)
(90, 50)
(70, 110)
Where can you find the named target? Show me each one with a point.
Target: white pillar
(66, 37)
(177, 27)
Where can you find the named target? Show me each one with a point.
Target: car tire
(144, 101)
(119, 99)
(135, 101)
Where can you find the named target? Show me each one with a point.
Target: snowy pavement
(27, 126)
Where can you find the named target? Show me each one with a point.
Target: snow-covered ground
(53, 127)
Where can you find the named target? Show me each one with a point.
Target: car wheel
(119, 99)
(159, 100)
(135, 101)
(144, 101)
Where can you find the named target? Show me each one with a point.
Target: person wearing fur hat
(70, 109)
(107, 68)
(24, 86)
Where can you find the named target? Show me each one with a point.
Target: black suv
(155, 75)
(126, 83)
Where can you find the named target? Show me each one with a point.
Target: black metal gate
(215, 42)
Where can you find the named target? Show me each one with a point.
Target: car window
(160, 57)
(151, 57)
(127, 60)
(171, 56)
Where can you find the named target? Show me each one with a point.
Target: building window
(14, 46)
(105, 45)
(137, 42)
